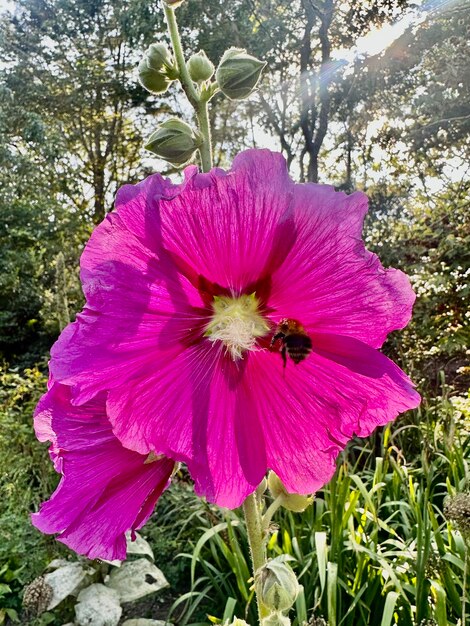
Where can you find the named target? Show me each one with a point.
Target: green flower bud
(152, 80)
(290, 501)
(200, 68)
(159, 57)
(175, 141)
(238, 73)
(275, 619)
(276, 585)
(157, 69)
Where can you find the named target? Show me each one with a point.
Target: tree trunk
(99, 208)
(314, 86)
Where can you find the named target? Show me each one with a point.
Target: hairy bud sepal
(276, 585)
(238, 73)
(175, 142)
(157, 69)
(200, 67)
(276, 619)
(291, 501)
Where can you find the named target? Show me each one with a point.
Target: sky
(379, 39)
(375, 42)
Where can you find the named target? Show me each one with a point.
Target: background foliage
(375, 548)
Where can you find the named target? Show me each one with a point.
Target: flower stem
(184, 77)
(205, 151)
(255, 533)
(199, 105)
(274, 506)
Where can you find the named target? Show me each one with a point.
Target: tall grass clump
(374, 548)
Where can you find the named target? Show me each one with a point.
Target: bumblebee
(295, 342)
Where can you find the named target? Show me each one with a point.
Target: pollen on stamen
(237, 323)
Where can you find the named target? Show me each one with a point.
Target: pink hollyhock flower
(185, 288)
(105, 489)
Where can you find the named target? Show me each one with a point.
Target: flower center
(237, 323)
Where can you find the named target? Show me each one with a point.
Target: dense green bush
(430, 241)
(26, 478)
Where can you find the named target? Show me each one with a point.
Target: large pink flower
(105, 489)
(185, 286)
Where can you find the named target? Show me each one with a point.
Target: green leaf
(229, 610)
(321, 550)
(332, 590)
(389, 608)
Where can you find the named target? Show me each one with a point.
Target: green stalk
(205, 151)
(184, 76)
(274, 506)
(255, 533)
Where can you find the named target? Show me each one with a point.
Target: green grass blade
(229, 610)
(332, 593)
(322, 556)
(440, 611)
(389, 608)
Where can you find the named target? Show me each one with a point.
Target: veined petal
(310, 411)
(329, 281)
(227, 227)
(105, 489)
(205, 418)
(132, 319)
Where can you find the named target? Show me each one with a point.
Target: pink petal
(205, 417)
(138, 309)
(142, 267)
(329, 281)
(311, 410)
(105, 489)
(150, 272)
(227, 227)
(137, 303)
(137, 207)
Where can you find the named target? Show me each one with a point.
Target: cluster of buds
(276, 585)
(236, 77)
(157, 70)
